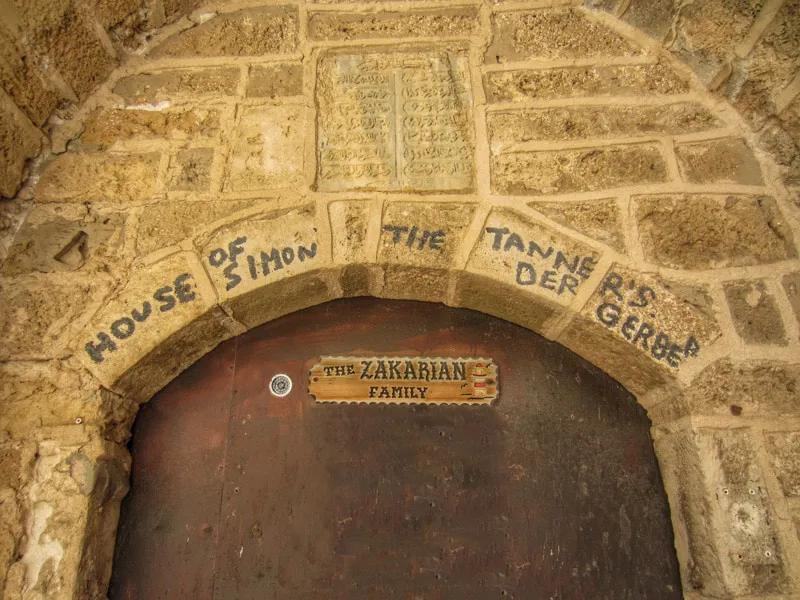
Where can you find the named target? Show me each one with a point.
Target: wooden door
(553, 492)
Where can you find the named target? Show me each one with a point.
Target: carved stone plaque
(395, 121)
(404, 380)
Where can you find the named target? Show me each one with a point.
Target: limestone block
(578, 170)
(274, 81)
(112, 12)
(598, 219)
(99, 177)
(560, 33)
(58, 238)
(791, 285)
(395, 120)
(247, 32)
(783, 449)
(155, 304)
(755, 313)
(349, 224)
(160, 86)
(639, 328)
(574, 123)
(712, 231)
(718, 161)
(41, 312)
(418, 245)
(168, 223)
(654, 17)
(24, 83)
(248, 258)
(190, 170)
(176, 8)
(523, 271)
(384, 24)
(580, 82)
(268, 149)
(104, 127)
(20, 140)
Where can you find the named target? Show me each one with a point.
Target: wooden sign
(404, 380)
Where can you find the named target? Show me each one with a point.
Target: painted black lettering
(608, 314)
(235, 248)
(396, 232)
(287, 254)
(534, 248)
(411, 236)
(568, 282)
(251, 266)
(587, 266)
(437, 240)
(444, 371)
(351, 370)
(303, 252)
(182, 289)
(217, 257)
(514, 241)
(548, 278)
(526, 274)
(562, 260)
(141, 317)
(674, 356)
(660, 347)
(424, 372)
(123, 328)
(460, 371)
(394, 372)
(498, 235)
(105, 343)
(629, 327)
(422, 391)
(365, 373)
(384, 393)
(273, 257)
(424, 239)
(644, 333)
(233, 278)
(380, 370)
(613, 283)
(373, 389)
(692, 347)
(166, 299)
(410, 373)
(397, 391)
(646, 295)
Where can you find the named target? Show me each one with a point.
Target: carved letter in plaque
(395, 121)
(404, 380)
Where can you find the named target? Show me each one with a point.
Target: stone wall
(553, 166)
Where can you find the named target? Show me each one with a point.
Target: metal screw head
(280, 385)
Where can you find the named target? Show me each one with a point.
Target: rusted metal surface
(553, 492)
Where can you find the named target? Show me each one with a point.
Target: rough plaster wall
(575, 136)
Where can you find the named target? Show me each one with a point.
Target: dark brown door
(553, 493)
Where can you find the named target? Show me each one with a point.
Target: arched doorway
(552, 492)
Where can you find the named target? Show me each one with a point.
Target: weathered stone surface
(598, 219)
(552, 34)
(783, 449)
(190, 170)
(572, 123)
(65, 238)
(154, 304)
(112, 12)
(268, 149)
(99, 177)
(159, 86)
(417, 246)
(750, 389)
(653, 325)
(522, 271)
(395, 121)
(704, 231)
(105, 127)
(247, 32)
(654, 17)
(349, 223)
(41, 313)
(719, 161)
(755, 313)
(272, 81)
(167, 223)
(174, 8)
(24, 83)
(20, 140)
(579, 82)
(584, 169)
(418, 23)
(791, 285)
(245, 259)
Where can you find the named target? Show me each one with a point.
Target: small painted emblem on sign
(404, 380)
(280, 385)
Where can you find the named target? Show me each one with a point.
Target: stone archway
(580, 183)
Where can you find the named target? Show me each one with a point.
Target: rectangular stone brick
(24, 83)
(783, 449)
(577, 170)
(268, 149)
(707, 231)
(104, 127)
(639, 328)
(791, 286)
(273, 81)
(461, 22)
(112, 12)
(190, 170)
(560, 33)
(755, 313)
(719, 161)
(159, 86)
(572, 123)
(349, 223)
(582, 82)
(395, 121)
(20, 140)
(99, 177)
(598, 219)
(247, 32)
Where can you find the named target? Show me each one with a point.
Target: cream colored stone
(410, 23)
(155, 303)
(598, 219)
(349, 223)
(268, 149)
